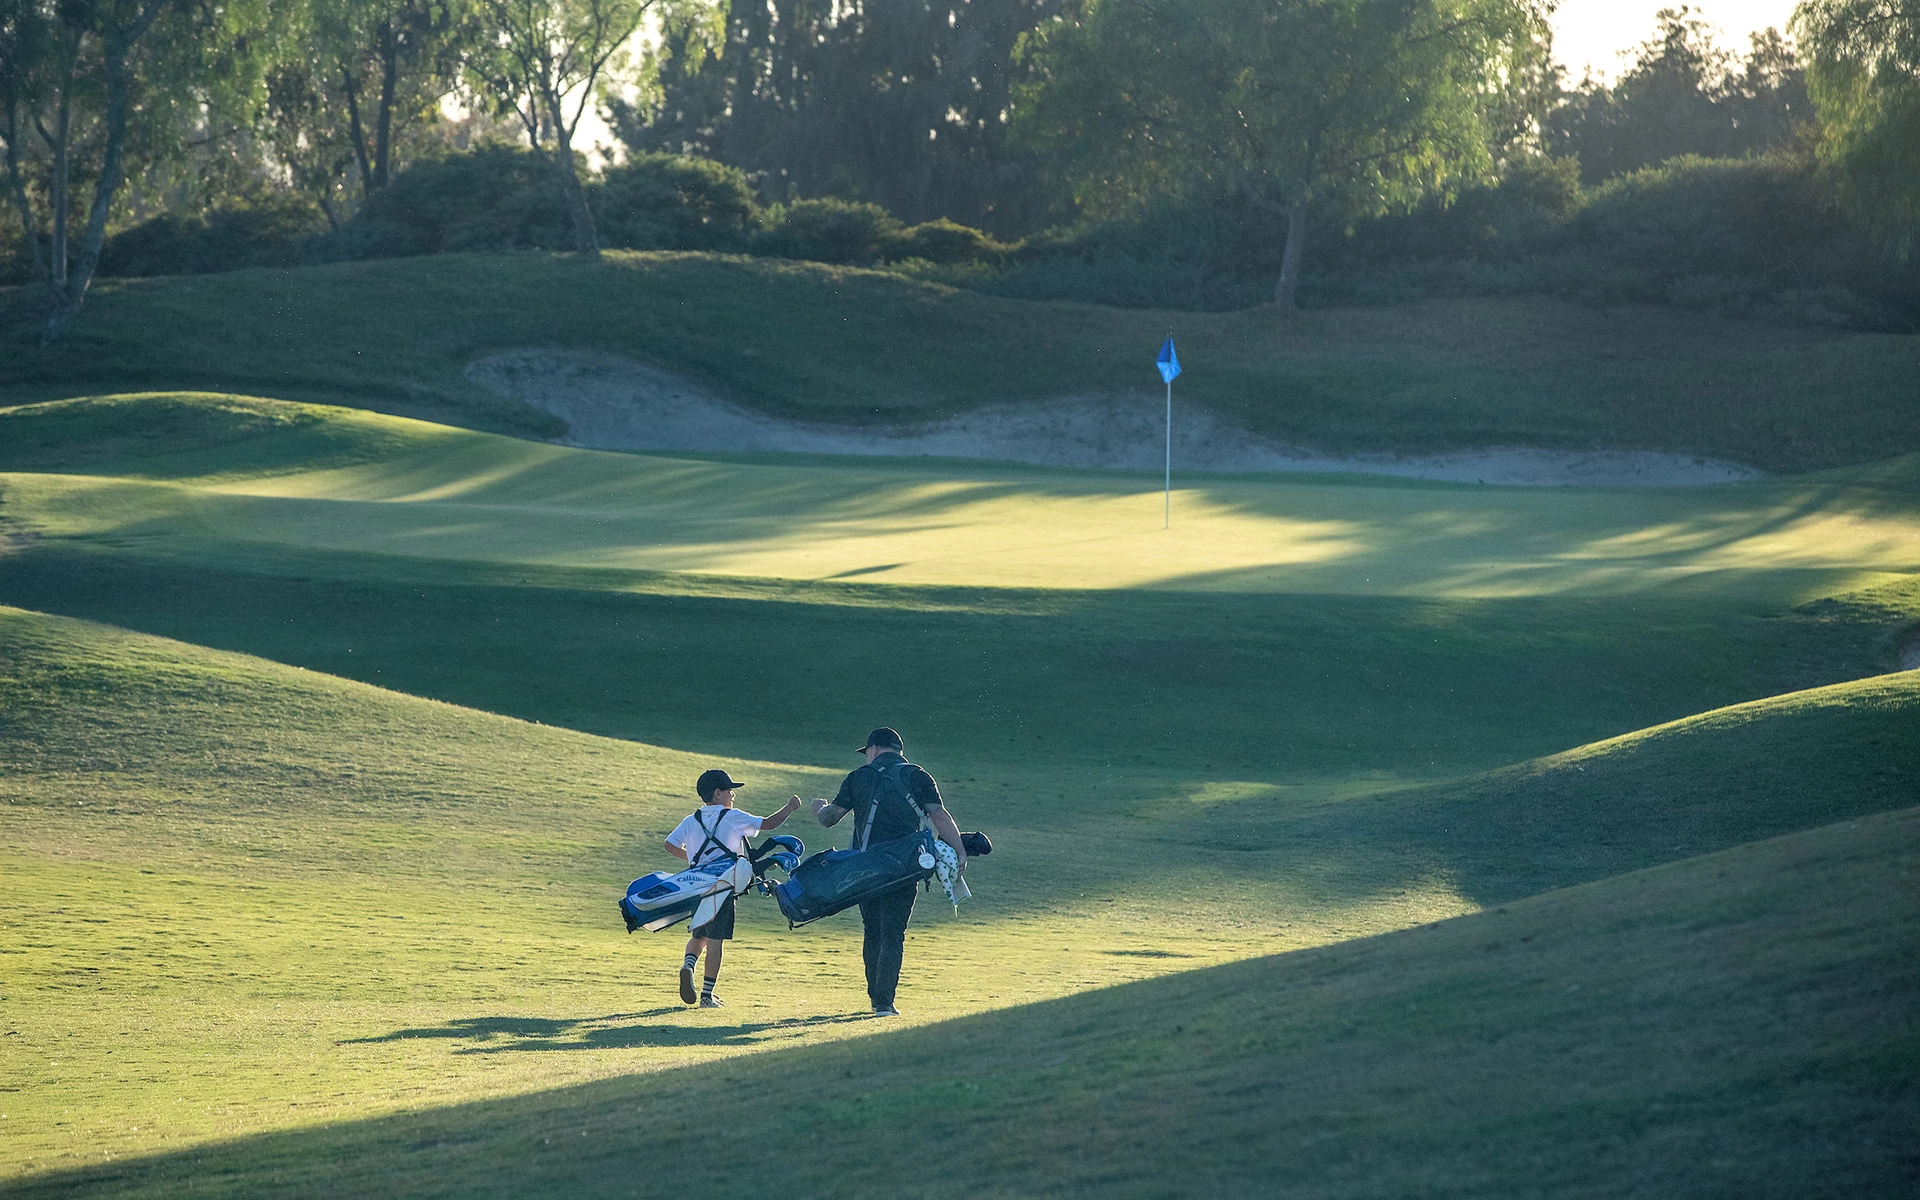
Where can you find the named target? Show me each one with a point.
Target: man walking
(889, 798)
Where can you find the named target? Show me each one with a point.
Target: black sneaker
(687, 994)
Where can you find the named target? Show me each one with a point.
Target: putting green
(429, 491)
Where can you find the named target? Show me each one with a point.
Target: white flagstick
(1167, 522)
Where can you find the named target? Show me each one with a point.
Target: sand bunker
(613, 403)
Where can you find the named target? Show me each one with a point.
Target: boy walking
(717, 830)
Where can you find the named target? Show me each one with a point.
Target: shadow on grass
(500, 1035)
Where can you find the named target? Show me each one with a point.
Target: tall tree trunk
(383, 119)
(61, 143)
(357, 131)
(69, 298)
(585, 239)
(17, 186)
(1289, 283)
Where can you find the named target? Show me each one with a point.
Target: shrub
(943, 241)
(830, 231)
(492, 198)
(16, 258)
(674, 202)
(271, 232)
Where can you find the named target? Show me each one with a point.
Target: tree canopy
(1864, 75)
(1682, 94)
(1376, 102)
(903, 103)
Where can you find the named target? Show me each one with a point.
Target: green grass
(281, 930)
(244, 963)
(1437, 629)
(233, 881)
(846, 344)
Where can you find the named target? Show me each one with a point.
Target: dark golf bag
(833, 880)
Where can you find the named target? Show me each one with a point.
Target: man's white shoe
(886, 1012)
(711, 1002)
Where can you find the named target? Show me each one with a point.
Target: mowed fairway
(293, 839)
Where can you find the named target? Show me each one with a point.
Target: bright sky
(1595, 31)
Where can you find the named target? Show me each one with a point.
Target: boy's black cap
(713, 781)
(884, 738)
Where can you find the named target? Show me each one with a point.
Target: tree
(357, 91)
(408, 50)
(1682, 95)
(27, 32)
(1368, 104)
(1863, 72)
(546, 61)
(903, 103)
(107, 75)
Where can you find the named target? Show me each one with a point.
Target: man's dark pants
(885, 918)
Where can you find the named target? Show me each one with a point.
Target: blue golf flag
(1168, 362)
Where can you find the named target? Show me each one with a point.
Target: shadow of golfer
(614, 1031)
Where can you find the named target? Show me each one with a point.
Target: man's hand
(827, 812)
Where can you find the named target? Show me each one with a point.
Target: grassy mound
(186, 434)
(851, 345)
(1734, 775)
(1735, 1025)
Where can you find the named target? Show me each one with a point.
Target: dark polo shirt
(862, 788)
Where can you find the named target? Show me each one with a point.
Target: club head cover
(976, 845)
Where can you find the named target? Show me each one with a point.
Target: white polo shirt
(729, 826)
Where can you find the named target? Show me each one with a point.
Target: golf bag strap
(711, 838)
(891, 773)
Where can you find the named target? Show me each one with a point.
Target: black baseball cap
(886, 739)
(713, 781)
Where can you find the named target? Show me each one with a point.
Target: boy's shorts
(721, 927)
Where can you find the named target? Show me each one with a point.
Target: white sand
(614, 403)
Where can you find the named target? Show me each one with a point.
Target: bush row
(501, 198)
(1746, 235)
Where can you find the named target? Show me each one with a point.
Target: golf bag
(834, 880)
(661, 901)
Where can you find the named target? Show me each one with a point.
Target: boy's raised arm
(778, 819)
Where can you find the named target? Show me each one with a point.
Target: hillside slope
(1744, 1024)
(245, 897)
(856, 346)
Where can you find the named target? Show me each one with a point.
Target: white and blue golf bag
(661, 901)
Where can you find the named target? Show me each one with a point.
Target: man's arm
(926, 793)
(778, 819)
(827, 812)
(677, 851)
(943, 824)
